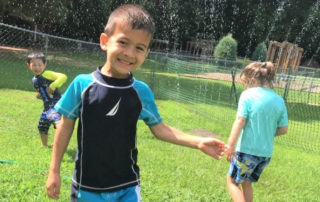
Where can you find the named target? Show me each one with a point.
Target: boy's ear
(103, 41)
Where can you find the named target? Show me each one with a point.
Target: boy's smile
(126, 50)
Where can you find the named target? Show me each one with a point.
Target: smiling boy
(109, 103)
(46, 84)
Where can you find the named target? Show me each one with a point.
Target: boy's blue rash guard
(108, 110)
(41, 84)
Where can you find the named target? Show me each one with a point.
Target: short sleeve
(243, 107)
(149, 113)
(283, 120)
(70, 102)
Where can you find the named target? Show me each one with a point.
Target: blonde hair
(262, 72)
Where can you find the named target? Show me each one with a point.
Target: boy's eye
(140, 48)
(123, 42)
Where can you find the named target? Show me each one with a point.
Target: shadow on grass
(186, 89)
(71, 153)
(303, 112)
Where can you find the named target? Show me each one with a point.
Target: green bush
(260, 53)
(243, 62)
(226, 48)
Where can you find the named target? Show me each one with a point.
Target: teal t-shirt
(264, 111)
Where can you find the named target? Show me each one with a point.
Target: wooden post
(285, 55)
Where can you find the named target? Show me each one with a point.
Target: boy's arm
(61, 141)
(58, 79)
(210, 146)
(237, 126)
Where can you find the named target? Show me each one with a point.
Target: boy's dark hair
(133, 15)
(36, 55)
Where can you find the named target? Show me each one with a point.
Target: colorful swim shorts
(48, 117)
(130, 194)
(247, 167)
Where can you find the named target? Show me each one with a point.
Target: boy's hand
(50, 92)
(53, 185)
(38, 95)
(213, 147)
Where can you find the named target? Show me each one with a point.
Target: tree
(40, 14)
(260, 52)
(227, 48)
(85, 19)
(179, 21)
(3, 5)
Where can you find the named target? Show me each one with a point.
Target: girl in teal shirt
(261, 116)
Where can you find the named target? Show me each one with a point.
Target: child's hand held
(213, 147)
(230, 153)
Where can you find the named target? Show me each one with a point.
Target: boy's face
(126, 50)
(36, 66)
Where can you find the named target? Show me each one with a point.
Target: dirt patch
(204, 133)
(13, 48)
(278, 83)
(216, 76)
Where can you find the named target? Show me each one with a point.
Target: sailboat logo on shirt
(114, 110)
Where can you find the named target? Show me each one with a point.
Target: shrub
(260, 53)
(226, 48)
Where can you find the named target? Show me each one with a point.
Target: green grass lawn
(206, 98)
(168, 172)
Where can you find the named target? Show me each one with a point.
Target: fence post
(287, 87)
(46, 45)
(153, 73)
(233, 87)
(310, 87)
